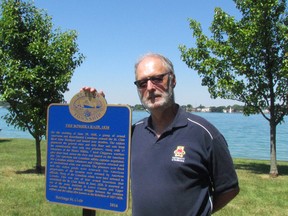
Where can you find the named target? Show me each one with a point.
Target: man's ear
(173, 80)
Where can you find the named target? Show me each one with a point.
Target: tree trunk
(38, 155)
(273, 158)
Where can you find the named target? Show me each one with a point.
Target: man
(180, 163)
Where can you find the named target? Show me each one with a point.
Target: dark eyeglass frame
(156, 80)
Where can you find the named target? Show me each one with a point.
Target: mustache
(153, 95)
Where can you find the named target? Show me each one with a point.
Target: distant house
(203, 109)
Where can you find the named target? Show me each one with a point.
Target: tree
(246, 60)
(36, 66)
(138, 107)
(189, 107)
(218, 109)
(237, 108)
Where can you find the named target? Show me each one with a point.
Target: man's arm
(223, 199)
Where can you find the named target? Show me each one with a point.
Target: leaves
(246, 59)
(37, 63)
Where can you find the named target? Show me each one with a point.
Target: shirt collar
(180, 120)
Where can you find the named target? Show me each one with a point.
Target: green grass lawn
(22, 192)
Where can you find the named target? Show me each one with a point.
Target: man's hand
(91, 91)
(223, 199)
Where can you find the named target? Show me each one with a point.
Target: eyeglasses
(156, 80)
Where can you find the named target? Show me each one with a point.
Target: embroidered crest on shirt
(179, 154)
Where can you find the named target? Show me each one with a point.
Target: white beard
(153, 101)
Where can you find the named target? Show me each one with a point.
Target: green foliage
(246, 60)
(138, 107)
(4, 104)
(218, 109)
(36, 64)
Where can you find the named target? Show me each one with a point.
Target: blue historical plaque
(88, 154)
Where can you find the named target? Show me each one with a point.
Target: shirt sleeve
(222, 171)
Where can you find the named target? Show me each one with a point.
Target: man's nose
(150, 85)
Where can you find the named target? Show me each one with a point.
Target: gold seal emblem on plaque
(87, 107)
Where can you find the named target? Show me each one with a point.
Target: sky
(113, 34)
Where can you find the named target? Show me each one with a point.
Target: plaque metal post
(89, 212)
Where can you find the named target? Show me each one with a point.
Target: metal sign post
(89, 212)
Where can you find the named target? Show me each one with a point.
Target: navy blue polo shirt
(178, 173)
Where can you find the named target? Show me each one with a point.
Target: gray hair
(165, 61)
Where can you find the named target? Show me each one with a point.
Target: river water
(247, 136)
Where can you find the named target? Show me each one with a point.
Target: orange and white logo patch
(179, 154)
